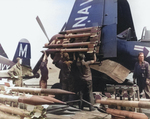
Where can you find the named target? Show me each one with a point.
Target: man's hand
(15, 77)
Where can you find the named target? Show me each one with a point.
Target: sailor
(86, 79)
(44, 72)
(64, 63)
(15, 73)
(141, 74)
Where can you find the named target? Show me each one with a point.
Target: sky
(18, 20)
(140, 13)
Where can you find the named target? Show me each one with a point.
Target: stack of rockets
(14, 100)
(124, 103)
(122, 109)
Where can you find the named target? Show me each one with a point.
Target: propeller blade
(42, 27)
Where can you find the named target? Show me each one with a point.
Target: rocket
(40, 90)
(7, 116)
(14, 110)
(52, 99)
(68, 50)
(126, 114)
(32, 100)
(123, 103)
(47, 45)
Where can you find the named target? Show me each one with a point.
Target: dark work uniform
(16, 70)
(65, 69)
(44, 75)
(141, 73)
(74, 78)
(85, 80)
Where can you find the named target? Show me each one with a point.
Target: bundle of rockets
(14, 101)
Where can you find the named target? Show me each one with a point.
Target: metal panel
(110, 12)
(112, 69)
(108, 41)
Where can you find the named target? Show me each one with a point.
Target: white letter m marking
(23, 52)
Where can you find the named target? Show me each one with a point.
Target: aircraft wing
(24, 52)
(4, 74)
(5, 63)
(2, 52)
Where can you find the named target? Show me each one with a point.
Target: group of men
(75, 75)
(15, 72)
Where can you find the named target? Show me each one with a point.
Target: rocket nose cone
(34, 100)
(65, 91)
(56, 91)
(52, 99)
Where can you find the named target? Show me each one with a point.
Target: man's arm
(93, 61)
(148, 75)
(148, 71)
(134, 74)
(45, 57)
(57, 58)
(74, 57)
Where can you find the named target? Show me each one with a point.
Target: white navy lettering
(86, 2)
(81, 21)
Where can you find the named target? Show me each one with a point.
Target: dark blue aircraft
(23, 51)
(107, 27)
